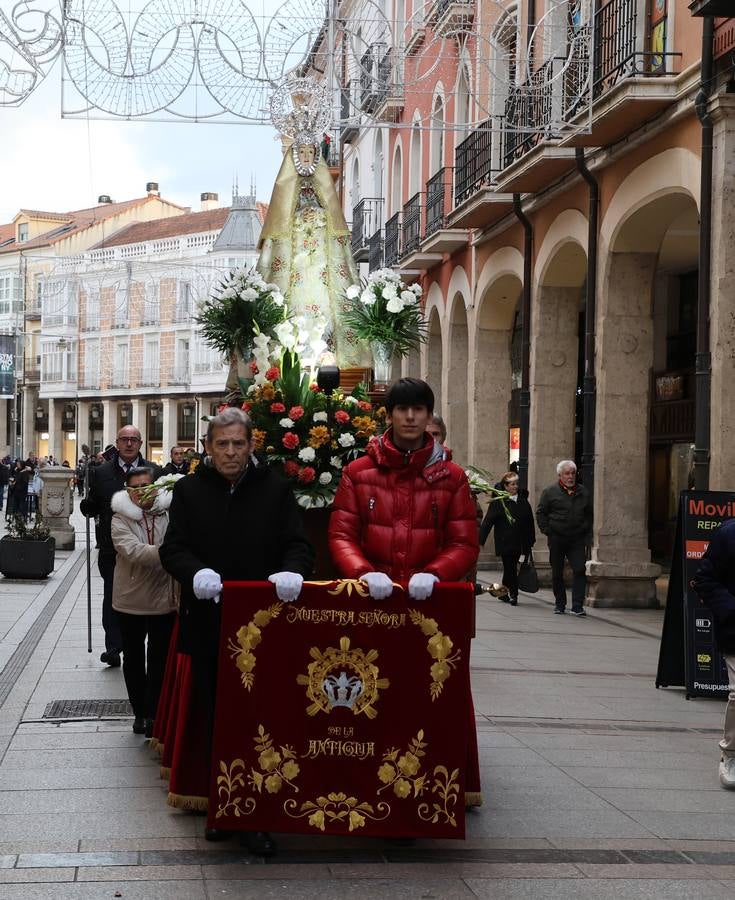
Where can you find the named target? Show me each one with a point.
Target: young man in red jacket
(403, 512)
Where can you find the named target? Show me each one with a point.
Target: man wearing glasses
(104, 481)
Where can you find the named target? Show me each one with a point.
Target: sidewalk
(596, 785)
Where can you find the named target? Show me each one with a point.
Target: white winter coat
(141, 586)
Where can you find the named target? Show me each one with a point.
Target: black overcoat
(512, 538)
(245, 534)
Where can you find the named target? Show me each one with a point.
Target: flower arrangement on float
(307, 434)
(387, 314)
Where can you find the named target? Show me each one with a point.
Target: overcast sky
(56, 164)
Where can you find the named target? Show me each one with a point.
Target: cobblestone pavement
(595, 783)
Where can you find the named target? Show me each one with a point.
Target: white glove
(421, 585)
(207, 585)
(288, 585)
(379, 585)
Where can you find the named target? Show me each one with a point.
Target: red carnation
(341, 417)
(307, 475)
(254, 368)
(273, 373)
(314, 387)
(290, 468)
(278, 408)
(296, 412)
(290, 440)
(363, 404)
(246, 407)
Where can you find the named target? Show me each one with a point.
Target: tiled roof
(6, 232)
(156, 229)
(77, 220)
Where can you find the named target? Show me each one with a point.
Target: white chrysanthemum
(408, 297)
(394, 305)
(325, 477)
(286, 423)
(319, 417)
(335, 462)
(353, 291)
(307, 454)
(248, 293)
(390, 292)
(367, 297)
(346, 440)
(417, 289)
(277, 298)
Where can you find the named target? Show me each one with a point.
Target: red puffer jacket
(402, 513)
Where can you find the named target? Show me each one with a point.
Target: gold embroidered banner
(339, 715)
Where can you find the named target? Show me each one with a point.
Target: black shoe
(149, 728)
(216, 834)
(513, 601)
(579, 612)
(260, 843)
(506, 598)
(111, 657)
(139, 725)
(559, 610)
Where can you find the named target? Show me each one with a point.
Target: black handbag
(527, 575)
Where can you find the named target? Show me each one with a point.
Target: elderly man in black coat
(233, 519)
(715, 584)
(104, 481)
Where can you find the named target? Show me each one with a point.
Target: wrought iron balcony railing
(438, 189)
(528, 112)
(473, 166)
(411, 225)
(372, 86)
(393, 240)
(365, 220)
(375, 251)
(617, 54)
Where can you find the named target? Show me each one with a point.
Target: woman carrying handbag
(515, 535)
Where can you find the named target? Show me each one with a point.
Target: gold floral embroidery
(277, 768)
(402, 772)
(337, 809)
(439, 647)
(248, 638)
(446, 787)
(228, 782)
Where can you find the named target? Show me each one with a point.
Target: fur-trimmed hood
(124, 506)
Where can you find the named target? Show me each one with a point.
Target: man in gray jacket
(564, 515)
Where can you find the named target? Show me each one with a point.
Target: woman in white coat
(143, 593)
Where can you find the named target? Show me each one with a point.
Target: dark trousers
(510, 572)
(113, 639)
(573, 550)
(143, 667)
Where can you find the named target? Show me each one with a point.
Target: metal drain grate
(87, 709)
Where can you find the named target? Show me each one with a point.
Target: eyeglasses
(128, 440)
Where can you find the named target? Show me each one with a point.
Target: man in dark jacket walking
(564, 515)
(715, 584)
(104, 481)
(233, 519)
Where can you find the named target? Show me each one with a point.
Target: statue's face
(306, 153)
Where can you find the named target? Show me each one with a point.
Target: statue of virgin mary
(305, 242)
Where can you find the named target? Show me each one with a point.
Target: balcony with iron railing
(439, 235)
(452, 17)
(630, 80)
(366, 218)
(350, 112)
(390, 76)
(179, 375)
(375, 251)
(372, 86)
(411, 227)
(476, 202)
(393, 240)
(150, 377)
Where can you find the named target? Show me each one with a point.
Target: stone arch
(460, 283)
(637, 234)
(454, 387)
(432, 352)
(561, 267)
(436, 135)
(379, 171)
(490, 370)
(672, 173)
